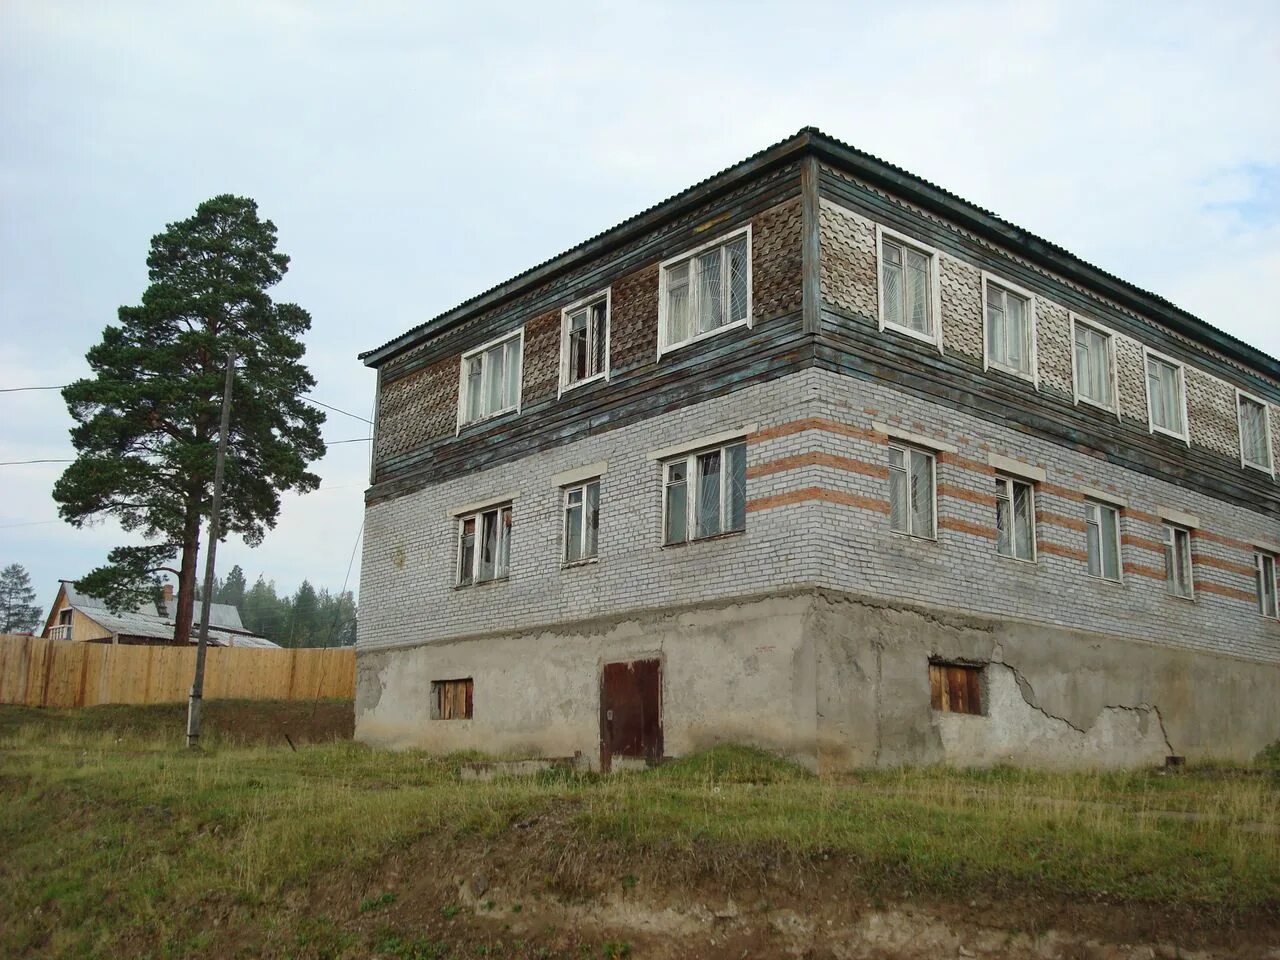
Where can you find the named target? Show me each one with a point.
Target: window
(1093, 364)
(1266, 564)
(64, 616)
(705, 291)
(705, 494)
(955, 688)
(1102, 533)
(584, 341)
(907, 294)
(1255, 433)
(1010, 323)
(1166, 399)
(484, 545)
(452, 699)
(581, 521)
(1015, 519)
(911, 491)
(491, 379)
(1177, 562)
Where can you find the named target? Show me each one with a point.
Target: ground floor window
(912, 496)
(1266, 565)
(1177, 562)
(1015, 519)
(581, 521)
(705, 494)
(955, 688)
(1102, 540)
(484, 545)
(452, 699)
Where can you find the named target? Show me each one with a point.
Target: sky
(412, 155)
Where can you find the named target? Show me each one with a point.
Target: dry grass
(123, 838)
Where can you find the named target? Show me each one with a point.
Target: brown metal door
(631, 711)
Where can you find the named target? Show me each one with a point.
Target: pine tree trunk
(187, 575)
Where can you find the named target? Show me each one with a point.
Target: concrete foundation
(835, 681)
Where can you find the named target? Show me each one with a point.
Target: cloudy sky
(411, 158)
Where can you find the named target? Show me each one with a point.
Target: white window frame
(690, 461)
(565, 491)
(908, 449)
(665, 266)
(1147, 355)
(1172, 531)
(1113, 367)
(1270, 468)
(478, 516)
(1009, 483)
(1261, 558)
(935, 285)
(484, 381)
(1032, 375)
(1092, 505)
(585, 303)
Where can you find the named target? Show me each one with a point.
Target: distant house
(75, 616)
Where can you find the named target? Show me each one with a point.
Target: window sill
(915, 537)
(575, 564)
(594, 378)
(728, 535)
(1025, 562)
(672, 347)
(1181, 437)
(481, 583)
(958, 713)
(1178, 596)
(485, 419)
(933, 339)
(1259, 467)
(1097, 405)
(1097, 579)
(1027, 375)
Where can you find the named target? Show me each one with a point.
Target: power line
(18, 463)
(21, 389)
(330, 443)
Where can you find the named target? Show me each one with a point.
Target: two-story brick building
(818, 456)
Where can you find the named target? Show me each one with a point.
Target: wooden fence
(63, 673)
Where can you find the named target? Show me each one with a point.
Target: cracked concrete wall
(732, 672)
(1052, 697)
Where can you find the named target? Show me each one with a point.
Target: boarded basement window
(452, 699)
(955, 688)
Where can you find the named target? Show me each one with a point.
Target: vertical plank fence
(62, 673)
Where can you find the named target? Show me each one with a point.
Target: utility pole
(194, 704)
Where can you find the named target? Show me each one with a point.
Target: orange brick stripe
(1248, 548)
(963, 493)
(818, 495)
(817, 458)
(1058, 550)
(1138, 570)
(1231, 592)
(963, 526)
(813, 423)
(1150, 518)
(1204, 560)
(1048, 518)
(1142, 543)
(1054, 490)
(955, 460)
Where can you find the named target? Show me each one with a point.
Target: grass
(119, 842)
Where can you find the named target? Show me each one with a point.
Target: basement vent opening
(955, 688)
(451, 699)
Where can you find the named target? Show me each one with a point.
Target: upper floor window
(705, 291)
(1266, 576)
(1093, 362)
(584, 341)
(705, 494)
(581, 521)
(1010, 326)
(491, 379)
(912, 495)
(484, 545)
(1166, 396)
(908, 288)
(1015, 519)
(1255, 433)
(1177, 562)
(1102, 539)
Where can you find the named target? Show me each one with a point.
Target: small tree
(232, 589)
(18, 610)
(146, 421)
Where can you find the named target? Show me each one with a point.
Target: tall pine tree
(146, 421)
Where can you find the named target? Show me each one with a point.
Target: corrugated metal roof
(151, 620)
(837, 151)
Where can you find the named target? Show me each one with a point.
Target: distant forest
(309, 618)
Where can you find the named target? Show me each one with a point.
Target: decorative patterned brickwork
(1053, 346)
(1214, 423)
(541, 358)
(633, 334)
(1132, 377)
(775, 261)
(416, 408)
(848, 263)
(961, 306)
